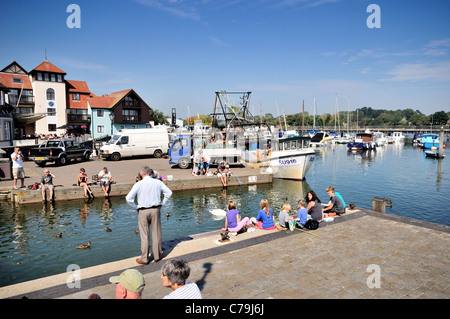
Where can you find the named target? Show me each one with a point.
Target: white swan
(218, 212)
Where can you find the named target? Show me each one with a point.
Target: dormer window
(17, 80)
(39, 76)
(75, 96)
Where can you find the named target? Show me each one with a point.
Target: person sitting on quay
(222, 174)
(314, 207)
(105, 180)
(336, 204)
(82, 182)
(47, 182)
(233, 221)
(284, 218)
(174, 275)
(302, 213)
(264, 219)
(129, 284)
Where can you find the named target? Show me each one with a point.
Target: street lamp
(111, 117)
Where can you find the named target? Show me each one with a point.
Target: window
(52, 127)
(59, 77)
(100, 113)
(53, 77)
(51, 111)
(39, 76)
(7, 130)
(124, 140)
(46, 77)
(100, 129)
(50, 94)
(17, 80)
(75, 96)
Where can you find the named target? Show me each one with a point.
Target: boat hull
(361, 145)
(291, 164)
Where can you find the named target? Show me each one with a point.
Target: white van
(136, 142)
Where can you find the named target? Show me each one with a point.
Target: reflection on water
(418, 187)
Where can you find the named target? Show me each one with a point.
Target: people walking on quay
(264, 219)
(233, 221)
(105, 180)
(17, 167)
(174, 275)
(129, 284)
(336, 205)
(148, 192)
(47, 183)
(82, 182)
(314, 206)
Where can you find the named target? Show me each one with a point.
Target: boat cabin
(364, 137)
(290, 144)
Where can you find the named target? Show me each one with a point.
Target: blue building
(118, 110)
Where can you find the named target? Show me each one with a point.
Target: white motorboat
(290, 158)
(380, 138)
(398, 137)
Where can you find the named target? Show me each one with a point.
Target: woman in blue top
(265, 219)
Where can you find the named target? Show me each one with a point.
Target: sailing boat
(320, 138)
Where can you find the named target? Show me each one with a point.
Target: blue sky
(176, 53)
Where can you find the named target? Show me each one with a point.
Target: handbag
(311, 224)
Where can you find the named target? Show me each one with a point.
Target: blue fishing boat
(429, 140)
(363, 141)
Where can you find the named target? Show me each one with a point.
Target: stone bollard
(379, 204)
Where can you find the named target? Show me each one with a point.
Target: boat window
(287, 146)
(275, 145)
(294, 145)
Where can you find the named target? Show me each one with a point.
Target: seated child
(265, 219)
(284, 218)
(233, 220)
(302, 213)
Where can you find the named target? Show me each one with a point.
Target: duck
(84, 246)
(57, 235)
(108, 229)
(169, 214)
(136, 231)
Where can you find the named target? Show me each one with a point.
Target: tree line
(365, 116)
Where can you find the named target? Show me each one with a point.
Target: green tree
(440, 118)
(159, 117)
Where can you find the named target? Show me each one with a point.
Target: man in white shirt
(18, 172)
(148, 191)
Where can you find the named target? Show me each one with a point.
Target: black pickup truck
(59, 151)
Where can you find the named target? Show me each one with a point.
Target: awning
(29, 118)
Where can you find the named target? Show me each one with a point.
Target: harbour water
(418, 187)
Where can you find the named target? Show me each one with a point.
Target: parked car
(59, 151)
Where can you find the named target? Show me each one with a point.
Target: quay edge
(63, 193)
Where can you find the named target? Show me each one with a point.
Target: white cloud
(177, 8)
(420, 71)
(217, 42)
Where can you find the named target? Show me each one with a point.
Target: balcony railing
(72, 118)
(24, 100)
(131, 118)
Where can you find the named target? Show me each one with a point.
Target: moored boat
(429, 140)
(363, 141)
(291, 158)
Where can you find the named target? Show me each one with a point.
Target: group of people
(130, 283)
(201, 167)
(309, 208)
